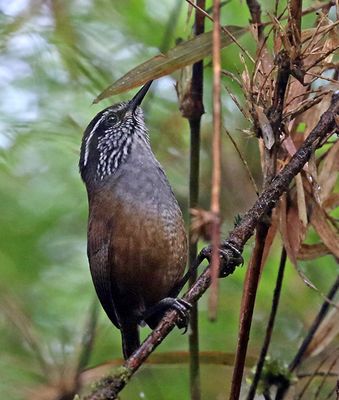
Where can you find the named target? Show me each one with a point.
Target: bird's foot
(230, 258)
(154, 314)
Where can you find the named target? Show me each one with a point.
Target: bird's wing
(98, 249)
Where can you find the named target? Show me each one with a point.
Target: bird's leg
(155, 313)
(230, 258)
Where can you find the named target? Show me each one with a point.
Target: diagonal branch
(110, 386)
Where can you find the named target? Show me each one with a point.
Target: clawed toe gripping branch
(110, 386)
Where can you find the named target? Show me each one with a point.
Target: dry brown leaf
(291, 237)
(282, 212)
(246, 82)
(271, 234)
(312, 251)
(315, 41)
(326, 333)
(296, 230)
(331, 43)
(326, 231)
(265, 126)
(183, 89)
(321, 43)
(312, 177)
(329, 172)
(302, 211)
(289, 145)
(264, 67)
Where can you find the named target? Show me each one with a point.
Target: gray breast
(141, 181)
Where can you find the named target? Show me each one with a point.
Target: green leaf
(185, 53)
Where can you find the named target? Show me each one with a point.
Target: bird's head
(109, 136)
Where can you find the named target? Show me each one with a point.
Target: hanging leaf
(301, 202)
(266, 128)
(272, 232)
(327, 232)
(312, 251)
(185, 53)
(329, 171)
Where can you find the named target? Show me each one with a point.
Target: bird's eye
(112, 119)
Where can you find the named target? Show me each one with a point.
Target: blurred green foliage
(56, 57)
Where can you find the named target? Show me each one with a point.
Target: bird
(136, 238)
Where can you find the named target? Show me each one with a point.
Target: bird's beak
(137, 99)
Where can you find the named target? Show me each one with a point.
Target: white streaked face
(107, 140)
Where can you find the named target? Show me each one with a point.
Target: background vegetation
(56, 56)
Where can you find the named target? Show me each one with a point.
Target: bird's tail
(130, 337)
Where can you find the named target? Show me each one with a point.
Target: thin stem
(193, 200)
(249, 295)
(295, 12)
(270, 325)
(255, 10)
(196, 94)
(216, 154)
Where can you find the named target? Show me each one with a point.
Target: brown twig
(110, 386)
(255, 12)
(249, 295)
(321, 58)
(317, 76)
(216, 168)
(236, 102)
(294, 21)
(305, 105)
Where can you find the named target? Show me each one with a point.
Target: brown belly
(148, 255)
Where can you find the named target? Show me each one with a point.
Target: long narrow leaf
(185, 53)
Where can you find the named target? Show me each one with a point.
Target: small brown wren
(137, 245)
